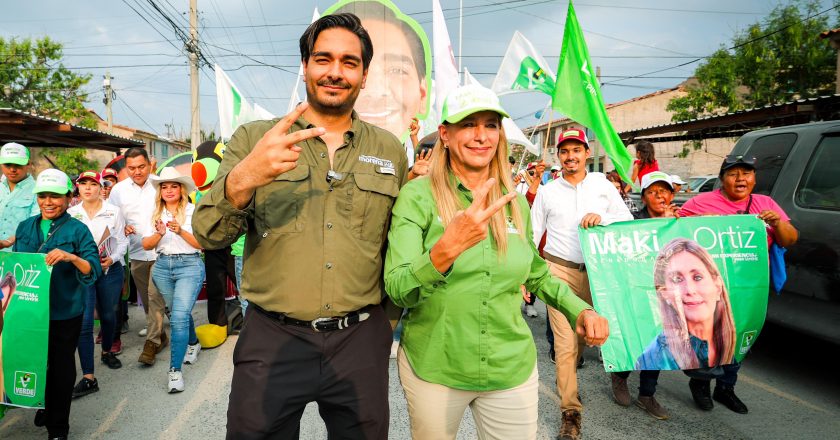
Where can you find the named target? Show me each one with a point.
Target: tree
(33, 79)
(776, 60)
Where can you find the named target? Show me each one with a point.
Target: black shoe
(40, 417)
(551, 355)
(63, 437)
(727, 397)
(85, 387)
(581, 362)
(701, 394)
(110, 359)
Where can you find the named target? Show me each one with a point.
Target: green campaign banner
(24, 328)
(678, 293)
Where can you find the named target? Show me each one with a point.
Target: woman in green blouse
(459, 249)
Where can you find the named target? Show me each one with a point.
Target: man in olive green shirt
(313, 194)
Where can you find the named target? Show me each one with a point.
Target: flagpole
(547, 134)
(531, 136)
(460, 36)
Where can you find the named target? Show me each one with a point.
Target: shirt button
(483, 332)
(484, 303)
(329, 265)
(483, 359)
(487, 273)
(265, 234)
(329, 225)
(327, 306)
(323, 155)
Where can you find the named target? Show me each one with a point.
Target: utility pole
(195, 130)
(108, 100)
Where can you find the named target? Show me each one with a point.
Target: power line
(125, 104)
(753, 40)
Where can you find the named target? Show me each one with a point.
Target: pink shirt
(714, 202)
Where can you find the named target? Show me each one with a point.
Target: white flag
(446, 74)
(294, 99)
(234, 110)
(523, 69)
(512, 131)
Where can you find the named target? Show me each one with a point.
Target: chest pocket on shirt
(279, 207)
(373, 198)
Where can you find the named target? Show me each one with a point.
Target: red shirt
(647, 168)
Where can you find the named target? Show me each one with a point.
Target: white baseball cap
(52, 180)
(676, 179)
(14, 153)
(656, 176)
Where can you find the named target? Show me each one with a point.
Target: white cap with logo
(656, 176)
(14, 153)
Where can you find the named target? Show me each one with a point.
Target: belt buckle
(315, 322)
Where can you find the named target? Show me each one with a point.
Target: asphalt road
(786, 382)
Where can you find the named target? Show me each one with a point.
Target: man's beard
(332, 105)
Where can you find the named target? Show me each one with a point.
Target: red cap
(88, 175)
(573, 134)
(531, 166)
(110, 172)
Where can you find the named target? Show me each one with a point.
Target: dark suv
(799, 166)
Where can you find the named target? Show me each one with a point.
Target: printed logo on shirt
(376, 161)
(511, 228)
(387, 170)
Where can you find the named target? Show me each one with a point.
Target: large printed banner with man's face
(24, 328)
(678, 293)
(399, 76)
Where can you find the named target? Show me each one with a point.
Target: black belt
(565, 263)
(319, 324)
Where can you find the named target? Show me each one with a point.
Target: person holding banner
(735, 196)
(657, 195)
(70, 249)
(107, 226)
(577, 199)
(178, 271)
(459, 249)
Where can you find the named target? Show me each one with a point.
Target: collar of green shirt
(349, 135)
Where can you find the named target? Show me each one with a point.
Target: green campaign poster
(25, 325)
(678, 293)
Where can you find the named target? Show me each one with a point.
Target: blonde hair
(446, 194)
(675, 326)
(180, 213)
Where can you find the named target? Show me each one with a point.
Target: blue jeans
(237, 267)
(726, 375)
(178, 278)
(104, 295)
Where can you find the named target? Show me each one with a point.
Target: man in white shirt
(577, 198)
(135, 197)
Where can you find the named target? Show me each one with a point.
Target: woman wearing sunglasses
(737, 176)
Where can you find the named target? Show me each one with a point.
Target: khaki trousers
(567, 344)
(436, 410)
(153, 302)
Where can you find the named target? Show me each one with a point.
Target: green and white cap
(14, 153)
(52, 180)
(656, 176)
(467, 100)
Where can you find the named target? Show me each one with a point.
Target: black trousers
(279, 368)
(218, 266)
(61, 373)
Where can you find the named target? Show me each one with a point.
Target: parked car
(799, 166)
(697, 184)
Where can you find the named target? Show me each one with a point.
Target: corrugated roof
(38, 130)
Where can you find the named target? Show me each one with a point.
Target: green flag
(577, 95)
(532, 76)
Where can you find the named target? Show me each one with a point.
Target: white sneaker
(531, 311)
(143, 332)
(176, 381)
(192, 353)
(394, 347)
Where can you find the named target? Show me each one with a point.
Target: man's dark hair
(374, 10)
(345, 21)
(137, 151)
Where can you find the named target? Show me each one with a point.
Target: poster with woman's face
(399, 76)
(678, 293)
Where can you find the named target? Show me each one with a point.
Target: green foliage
(32, 78)
(70, 160)
(792, 63)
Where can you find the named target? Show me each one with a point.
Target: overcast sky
(151, 76)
